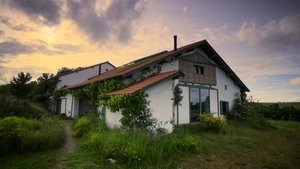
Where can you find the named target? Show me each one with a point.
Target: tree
(63, 70)
(21, 85)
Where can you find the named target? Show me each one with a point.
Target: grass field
(237, 147)
(283, 104)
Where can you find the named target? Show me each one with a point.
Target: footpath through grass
(237, 147)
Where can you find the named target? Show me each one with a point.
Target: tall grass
(25, 135)
(134, 149)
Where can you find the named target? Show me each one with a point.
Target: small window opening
(198, 69)
(225, 87)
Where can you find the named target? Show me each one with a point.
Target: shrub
(10, 106)
(247, 111)
(81, 126)
(211, 123)
(24, 135)
(88, 123)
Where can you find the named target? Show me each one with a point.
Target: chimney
(175, 42)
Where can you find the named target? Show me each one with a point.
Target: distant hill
(283, 104)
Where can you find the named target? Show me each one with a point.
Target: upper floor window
(198, 69)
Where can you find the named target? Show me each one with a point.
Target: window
(194, 104)
(199, 102)
(198, 69)
(225, 87)
(224, 107)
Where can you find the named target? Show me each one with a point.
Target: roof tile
(143, 84)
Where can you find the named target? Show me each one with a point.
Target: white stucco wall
(232, 89)
(170, 66)
(77, 77)
(184, 108)
(70, 106)
(82, 75)
(66, 108)
(112, 119)
(213, 100)
(161, 103)
(106, 67)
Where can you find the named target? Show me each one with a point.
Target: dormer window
(198, 69)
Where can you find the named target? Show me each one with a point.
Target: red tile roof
(135, 65)
(143, 84)
(156, 58)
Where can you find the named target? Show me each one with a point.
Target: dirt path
(69, 146)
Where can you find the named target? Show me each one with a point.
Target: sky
(259, 40)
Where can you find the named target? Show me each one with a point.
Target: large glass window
(199, 102)
(204, 100)
(194, 104)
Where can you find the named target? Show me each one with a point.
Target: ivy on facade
(134, 108)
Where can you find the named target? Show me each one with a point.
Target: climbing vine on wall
(134, 108)
(177, 95)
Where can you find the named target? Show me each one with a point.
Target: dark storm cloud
(49, 10)
(17, 27)
(117, 19)
(13, 48)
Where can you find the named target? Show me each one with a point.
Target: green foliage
(24, 135)
(135, 111)
(81, 126)
(276, 112)
(139, 149)
(177, 95)
(91, 122)
(20, 85)
(211, 123)
(11, 106)
(247, 112)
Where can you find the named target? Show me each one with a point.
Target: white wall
(70, 106)
(106, 67)
(161, 103)
(232, 89)
(82, 75)
(77, 77)
(169, 66)
(112, 119)
(184, 108)
(213, 100)
(66, 108)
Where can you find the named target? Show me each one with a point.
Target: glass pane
(205, 100)
(194, 104)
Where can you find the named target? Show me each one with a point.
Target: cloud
(294, 81)
(13, 47)
(2, 33)
(185, 9)
(116, 21)
(66, 47)
(46, 11)
(274, 36)
(8, 22)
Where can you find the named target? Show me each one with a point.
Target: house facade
(207, 83)
(72, 106)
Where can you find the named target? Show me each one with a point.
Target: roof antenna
(175, 42)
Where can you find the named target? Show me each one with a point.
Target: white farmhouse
(208, 84)
(72, 106)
